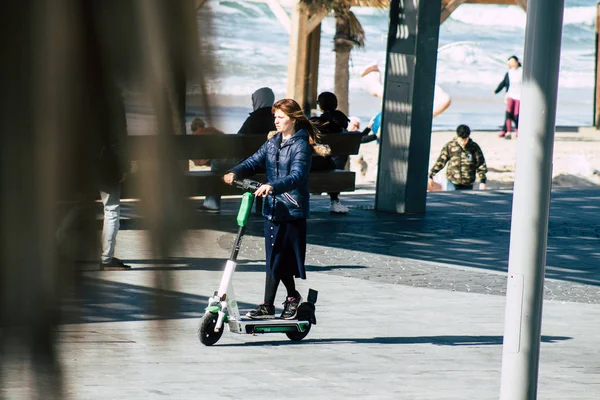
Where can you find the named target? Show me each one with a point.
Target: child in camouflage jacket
(464, 159)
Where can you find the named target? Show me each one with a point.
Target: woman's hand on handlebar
(228, 178)
(263, 190)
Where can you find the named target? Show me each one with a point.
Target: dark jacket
(260, 122)
(331, 122)
(504, 84)
(287, 166)
(113, 158)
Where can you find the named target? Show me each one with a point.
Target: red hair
(293, 110)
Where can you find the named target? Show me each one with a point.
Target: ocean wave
(470, 62)
(470, 77)
(580, 15)
(513, 17)
(245, 9)
(258, 49)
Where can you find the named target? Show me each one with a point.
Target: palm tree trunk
(342, 47)
(342, 77)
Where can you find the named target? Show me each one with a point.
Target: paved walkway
(410, 307)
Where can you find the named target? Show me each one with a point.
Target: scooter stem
(242, 219)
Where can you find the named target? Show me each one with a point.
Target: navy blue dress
(285, 248)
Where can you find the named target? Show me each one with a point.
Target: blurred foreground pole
(64, 62)
(531, 201)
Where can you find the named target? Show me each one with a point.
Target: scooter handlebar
(246, 184)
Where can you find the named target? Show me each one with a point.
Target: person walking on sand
(286, 157)
(464, 159)
(512, 83)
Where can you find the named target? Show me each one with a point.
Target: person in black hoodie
(331, 120)
(259, 122)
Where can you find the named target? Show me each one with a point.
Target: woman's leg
(503, 130)
(510, 116)
(267, 308)
(271, 285)
(293, 299)
(516, 115)
(290, 285)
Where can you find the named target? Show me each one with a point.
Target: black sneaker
(114, 265)
(290, 307)
(262, 312)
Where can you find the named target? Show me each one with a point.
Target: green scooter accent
(245, 208)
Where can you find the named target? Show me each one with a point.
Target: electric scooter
(223, 308)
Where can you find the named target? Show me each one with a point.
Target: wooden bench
(215, 146)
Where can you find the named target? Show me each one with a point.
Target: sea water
(250, 50)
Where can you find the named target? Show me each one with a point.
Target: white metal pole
(531, 201)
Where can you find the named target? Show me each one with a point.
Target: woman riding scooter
(286, 156)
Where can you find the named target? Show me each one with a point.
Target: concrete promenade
(410, 307)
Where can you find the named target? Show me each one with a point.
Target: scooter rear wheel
(206, 333)
(298, 336)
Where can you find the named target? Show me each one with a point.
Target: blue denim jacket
(287, 166)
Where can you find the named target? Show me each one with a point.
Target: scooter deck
(272, 325)
(277, 320)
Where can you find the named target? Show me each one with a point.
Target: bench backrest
(215, 146)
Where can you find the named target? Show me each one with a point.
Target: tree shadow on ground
(216, 264)
(470, 229)
(441, 340)
(99, 300)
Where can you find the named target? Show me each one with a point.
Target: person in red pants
(512, 82)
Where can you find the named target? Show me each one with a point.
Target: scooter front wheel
(206, 333)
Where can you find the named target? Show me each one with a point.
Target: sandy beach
(576, 157)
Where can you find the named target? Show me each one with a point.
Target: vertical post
(597, 82)
(531, 201)
(297, 58)
(408, 105)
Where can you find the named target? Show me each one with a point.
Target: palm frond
(357, 33)
(340, 5)
(371, 3)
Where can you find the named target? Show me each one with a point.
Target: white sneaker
(338, 208)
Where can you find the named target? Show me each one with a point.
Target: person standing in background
(512, 83)
(113, 167)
